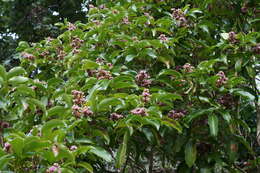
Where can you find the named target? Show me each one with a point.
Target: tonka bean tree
(143, 86)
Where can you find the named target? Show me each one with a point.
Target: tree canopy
(33, 20)
(139, 86)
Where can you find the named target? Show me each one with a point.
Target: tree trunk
(258, 123)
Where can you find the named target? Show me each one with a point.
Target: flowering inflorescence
(71, 26)
(256, 48)
(76, 42)
(139, 111)
(60, 53)
(45, 53)
(54, 168)
(7, 146)
(126, 21)
(232, 37)
(103, 74)
(222, 79)
(78, 109)
(78, 97)
(146, 95)
(73, 148)
(188, 68)
(226, 100)
(116, 116)
(177, 114)
(28, 56)
(143, 78)
(178, 15)
(163, 38)
(4, 125)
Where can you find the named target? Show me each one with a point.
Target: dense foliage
(143, 86)
(32, 21)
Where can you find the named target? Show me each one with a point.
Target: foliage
(143, 86)
(32, 21)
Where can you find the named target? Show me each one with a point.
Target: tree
(142, 86)
(33, 20)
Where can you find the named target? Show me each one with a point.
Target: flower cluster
(222, 79)
(100, 61)
(146, 95)
(54, 168)
(115, 116)
(178, 15)
(7, 147)
(178, 67)
(188, 68)
(76, 42)
(91, 73)
(28, 56)
(45, 53)
(126, 21)
(81, 111)
(71, 27)
(177, 114)
(226, 100)
(139, 111)
(103, 74)
(4, 125)
(91, 6)
(60, 53)
(143, 78)
(232, 37)
(256, 49)
(77, 109)
(73, 147)
(102, 6)
(163, 38)
(78, 97)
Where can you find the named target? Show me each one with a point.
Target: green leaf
(57, 110)
(123, 81)
(213, 124)
(37, 103)
(34, 143)
(16, 71)
(121, 153)
(226, 115)
(172, 123)
(102, 153)
(198, 113)
(238, 65)
(3, 73)
(102, 134)
(26, 90)
(4, 161)
(166, 96)
(190, 153)
(83, 149)
(18, 80)
(129, 58)
(48, 127)
(169, 72)
(87, 64)
(64, 152)
(106, 104)
(17, 146)
(87, 166)
(242, 140)
(244, 94)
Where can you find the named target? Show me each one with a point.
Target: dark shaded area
(32, 20)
